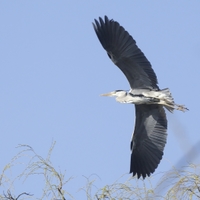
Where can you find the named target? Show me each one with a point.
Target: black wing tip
(141, 171)
(144, 171)
(145, 162)
(142, 175)
(103, 28)
(101, 21)
(143, 168)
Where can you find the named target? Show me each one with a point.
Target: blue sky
(53, 70)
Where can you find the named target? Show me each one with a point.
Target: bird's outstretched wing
(123, 51)
(148, 140)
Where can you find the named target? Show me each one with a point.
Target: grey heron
(150, 133)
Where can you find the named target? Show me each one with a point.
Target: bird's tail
(167, 101)
(166, 96)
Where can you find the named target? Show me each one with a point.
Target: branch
(10, 197)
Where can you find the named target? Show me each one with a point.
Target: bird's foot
(181, 108)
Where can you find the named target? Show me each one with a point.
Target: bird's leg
(175, 106)
(181, 107)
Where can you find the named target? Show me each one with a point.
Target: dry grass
(174, 185)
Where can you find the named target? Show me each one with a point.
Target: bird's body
(146, 96)
(135, 98)
(150, 133)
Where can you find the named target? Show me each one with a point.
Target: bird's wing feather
(123, 51)
(148, 140)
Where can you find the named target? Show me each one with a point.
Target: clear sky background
(53, 70)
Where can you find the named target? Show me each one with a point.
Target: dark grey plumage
(150, 133)
(123, 51)
(148, 140)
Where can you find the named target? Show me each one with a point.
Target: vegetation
(176, 184)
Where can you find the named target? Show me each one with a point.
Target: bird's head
(116, 93)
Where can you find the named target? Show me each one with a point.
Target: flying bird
(150, 134)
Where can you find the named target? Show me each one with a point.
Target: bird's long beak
(108, 94)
